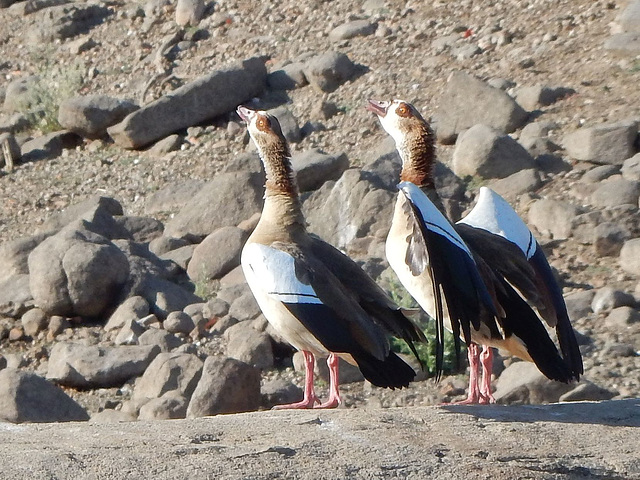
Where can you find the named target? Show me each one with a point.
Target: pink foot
(486, 359)
(474, 397)
(310, 398)
(334, 396)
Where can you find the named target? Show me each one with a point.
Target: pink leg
(486, 359)
(334, 396)
(310, 397)
(473, 353)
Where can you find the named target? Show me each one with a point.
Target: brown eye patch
(403, 110)
(262, 124)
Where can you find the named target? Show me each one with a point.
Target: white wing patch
(494, 214)
(435, 221)
(274, 272)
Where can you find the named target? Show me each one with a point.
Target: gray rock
(89, 116)
(66, 21)
(169, 372)
(26, 397)
(485, 152)
(162, 245)
(206, 97)
(468, 101)
(34, 321)
(608, 298)
(631, 168)
(616, 191)
(626, 43)
(133, 308)
(538, 129)
(14, 255)
(170, 405)
(181, 256)
(288, 123)
(327, 71)
(218, 254)
(347, 209)
(622, 317)
(164, 296)
(597, 174)
(81, 45)
(178, 322)
(619, 350)
(313, 168)
(163, 339)
(14, 124)
(168, 144)
(15, 295)
(609, 143)
(97, 210)
(354, 28)
(278, 391)
(587, 391)
(227, 386)
(76, 272)
(218, 205)
(140, 229)
(579, 303)
(288, 77)
(189, 12)
(630, 256)
(129, 333)
(81, 366)
(518, 183)
(216, 307)
(552, 217)
(534, 97)
(249, 345)
(539, 146)
(522, 383)
(244, 307)
(19, 95)
(173, 197)
(57, 325)
(608, 239)
(48, 146)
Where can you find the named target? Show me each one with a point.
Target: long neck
(418, 153)
(282, 207)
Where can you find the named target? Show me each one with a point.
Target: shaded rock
(622, 317)
(278, 391)
(66, 21)
(168, 144)
(189, 12)
(57, 325)
(468, 101)
(97, 210)
(535, 130)
(165, 296)
(617, 350)
(173, 197)
(587, 391)
(89, 116)
(485, 152)
(218, 254)
(327, 71)
(579, 303)
(608, 298)
(14, 255)
(27, 397)
(218, 205)
(181, 256)
(178, 322)
(48, 146)
(170, 405)
(354, 28)
(313, 168)
(608, 239)
(602, 172)
(206, 97)
(140, 229)
(15, 295)
(518, 183)
(522, 383)
(83, 366)
(216, 307)
(162, 245)
(129, 333)
(244, 307)
(288, 124)
(163, 339)
(227, 386)
(133, 308)
(249, 345)
(34, 321)
(288, 77)
(169, 372)
(630, 256)
(531, 98)
(552, 217)
(616, 191)
(609, 143)
(631, 168)
(76, 272)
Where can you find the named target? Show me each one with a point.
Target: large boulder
(89, 116)
(608, 143)
(217, 255)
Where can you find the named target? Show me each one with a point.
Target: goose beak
(378, 107)
(245, 113)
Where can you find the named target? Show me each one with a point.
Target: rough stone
(616, 191)
(278, 391)
(518, 183)
(81, 366)
(202, 99)
(579, 303)
(522, 383)
(169, 406)
(173, 197)
(354, 28)
(287, 77)
(97, 210)
(609, 143)
(133, 308)
(227, 386)
(288, 123)
(140, 229)
(587, 392)
(608, 298)
(48, 146)
(15, 295)
(485, 152)
(468, 101)
(244, 307)
(9, 151)
(327, 71)
(129, 333)
(189, 12)
(534, 97)
(249, 345)
(622, 317)
(626, 43)
(313, 168)
(552, 217)
(66, 21)
(608, 239)
(178, 322)
(90, 116)
(630, 256)
(631, 168)
(218, 254)
(165, 296)
(163, 339)
(34, 321)
(27, 397)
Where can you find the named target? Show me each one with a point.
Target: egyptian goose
(510, 262)
(317, 298)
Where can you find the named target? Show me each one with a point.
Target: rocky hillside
(128, 184)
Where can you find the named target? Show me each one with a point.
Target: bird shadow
(623, 413)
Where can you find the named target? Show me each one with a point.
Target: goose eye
(402, 110)
(262, 123)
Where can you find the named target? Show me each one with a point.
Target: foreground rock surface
(562, 441)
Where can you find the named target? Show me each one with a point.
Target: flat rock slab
(561, 441)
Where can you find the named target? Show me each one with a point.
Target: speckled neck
(418, 153)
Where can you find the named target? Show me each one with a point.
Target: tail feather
(392, 372)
